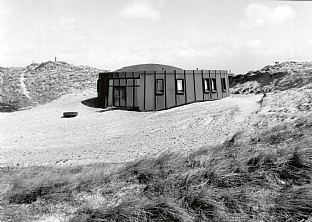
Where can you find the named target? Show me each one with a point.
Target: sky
(232, 35)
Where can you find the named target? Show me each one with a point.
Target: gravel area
(40, 136)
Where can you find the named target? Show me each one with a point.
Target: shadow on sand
(90, 102)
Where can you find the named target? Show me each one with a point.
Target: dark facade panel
(137, 74)
(180, 94)
(129, 75)
(160, 102)
(206, 77)
(160, 90)
(227, 84)
(130, 97)
(190, 90)
(219, 86)
(214, 93)
(198, 85)
(150, 91)
(137, 98)
(122, 75)
(116, 75)
(141, 93)
(101, 84)
(170, 90)
(224, 92)
(110, 97)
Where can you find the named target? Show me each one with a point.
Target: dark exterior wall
(150, 91)
(190, 87)
(219, 86)
(198, 85)
(214, 94)
(180, 98)
(160, 97)
(102, 88)
(110, 98)
(141, 92)
(207, 95)
(170, 90)
(144, 96)
(227, 92)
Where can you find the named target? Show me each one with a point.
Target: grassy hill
(28, 86)
(281, 76)
(287, 89)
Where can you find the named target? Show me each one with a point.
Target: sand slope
(39, 136)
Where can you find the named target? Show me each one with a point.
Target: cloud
(282, 13)
(67, 23)
(309, 43)
(254, 43)
(258, 15)
(140, 10)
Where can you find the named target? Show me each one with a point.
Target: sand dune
(39, 136)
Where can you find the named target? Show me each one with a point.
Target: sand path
(23, 85)
(40, 136)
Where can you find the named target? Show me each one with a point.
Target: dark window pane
(137, 82)
(223, 84)
(116, 82)
(122, 94)
(129, 82)
(122, 82)
(116, 96)
(119, 96)
(159, 86)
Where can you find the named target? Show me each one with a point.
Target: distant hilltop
(280, 76)
(39, 83)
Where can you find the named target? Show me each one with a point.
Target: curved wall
(158, 90)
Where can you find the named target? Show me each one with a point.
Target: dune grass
(264, 176)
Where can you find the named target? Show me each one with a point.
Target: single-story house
(151, 87)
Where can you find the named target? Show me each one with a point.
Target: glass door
(119, 96)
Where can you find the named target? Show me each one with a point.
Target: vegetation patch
(247, 178)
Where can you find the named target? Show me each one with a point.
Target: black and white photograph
(155, 111)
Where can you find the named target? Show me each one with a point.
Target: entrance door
(119, 96)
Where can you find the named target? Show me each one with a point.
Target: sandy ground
(40, 136)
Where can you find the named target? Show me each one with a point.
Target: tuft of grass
(9, 107)
(156, 209)
(31, 184)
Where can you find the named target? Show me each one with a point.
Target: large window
(124, 82)
(213, 85)
(223, 84)
(180, 86)
(123, 92)
(206, 85)
(159, 86)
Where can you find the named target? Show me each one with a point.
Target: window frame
(223, 84)
(213, 85)
(208, 90)
(180, 92)
(159, 91)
